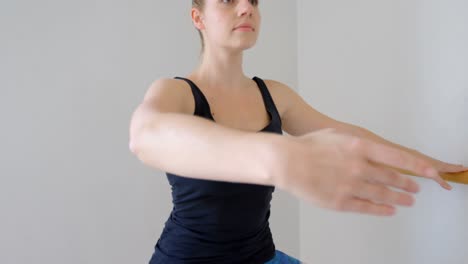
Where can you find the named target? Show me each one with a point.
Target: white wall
(72, 72)
(399, 69)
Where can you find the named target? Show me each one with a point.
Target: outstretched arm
(442, 166)
(300, 118)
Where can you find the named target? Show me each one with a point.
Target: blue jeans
(283, 258)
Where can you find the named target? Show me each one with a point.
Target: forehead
(253, 2)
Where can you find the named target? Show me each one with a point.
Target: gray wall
(72, 72)
(399, 69)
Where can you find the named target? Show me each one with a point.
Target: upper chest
(245, 109)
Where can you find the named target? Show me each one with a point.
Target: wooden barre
(459, 177)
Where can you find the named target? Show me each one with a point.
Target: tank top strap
(269, 103)
(201, 104)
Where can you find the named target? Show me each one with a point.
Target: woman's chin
(244, 46)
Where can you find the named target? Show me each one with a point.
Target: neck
(221, 69)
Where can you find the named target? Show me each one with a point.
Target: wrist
(280, 151)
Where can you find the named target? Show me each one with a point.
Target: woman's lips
(244, 28)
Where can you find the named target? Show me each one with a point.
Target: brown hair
(199, 4)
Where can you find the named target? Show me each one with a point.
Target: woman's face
(232, 24)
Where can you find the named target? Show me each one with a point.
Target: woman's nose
(245, 8)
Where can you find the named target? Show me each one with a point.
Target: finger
(367, 207)
(400, 159)
(386, 176)
(382, 194)
(452, 168)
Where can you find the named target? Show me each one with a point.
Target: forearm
(195, 147)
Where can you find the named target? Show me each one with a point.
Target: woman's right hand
(347, 173)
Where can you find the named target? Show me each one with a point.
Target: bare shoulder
(283, 95)
(163, 96)
(298, 116)
(170, 95)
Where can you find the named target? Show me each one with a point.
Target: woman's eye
(252, 2)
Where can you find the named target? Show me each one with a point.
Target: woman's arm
(195, 147)
(300, 118)
(449, 172)
(164, 134)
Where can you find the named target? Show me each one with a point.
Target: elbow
(137, 147)
(136, 150)
(132, 146)
(133, 143)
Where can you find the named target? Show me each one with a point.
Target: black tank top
(214, 221)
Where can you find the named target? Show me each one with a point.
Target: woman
(218, 135)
